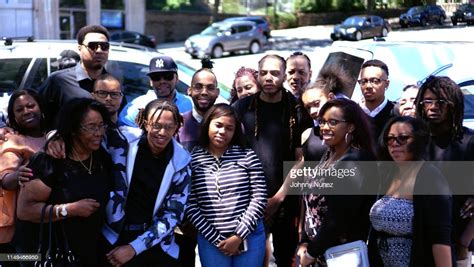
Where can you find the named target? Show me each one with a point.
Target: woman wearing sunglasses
(412, 221)
(338, 214)
(228, 194)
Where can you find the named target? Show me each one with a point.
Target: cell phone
(243, 246)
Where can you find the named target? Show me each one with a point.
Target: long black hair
(444, 88)
(217, 111)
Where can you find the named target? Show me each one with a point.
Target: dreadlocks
(444, 88)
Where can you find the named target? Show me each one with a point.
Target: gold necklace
(89, 170)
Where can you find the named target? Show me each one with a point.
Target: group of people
(143, 183)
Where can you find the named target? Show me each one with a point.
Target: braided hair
(243, 71)
(158, 106)
(444, 88)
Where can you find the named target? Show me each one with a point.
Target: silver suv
(226, 36)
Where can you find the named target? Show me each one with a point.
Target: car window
(11, 73)
(132, 76)
(128, 35)
(244, 28)
(39, 73)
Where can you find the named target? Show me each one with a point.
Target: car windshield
(354, 21)
(415, 10)
(213, 30)
(465, 7)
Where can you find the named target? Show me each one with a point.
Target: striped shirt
(228, 195)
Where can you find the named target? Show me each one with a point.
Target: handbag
(59, 256)
(353, 254)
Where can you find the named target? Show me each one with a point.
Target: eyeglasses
(198, 87)
(373, 81)
(158, 127)
(401, 139)
(431, 102)
(104, 94)
(330, 122)
(92, 129)
(104, 46)
(157, 76)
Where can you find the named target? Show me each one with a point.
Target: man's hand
(121, 255)
(230, 246)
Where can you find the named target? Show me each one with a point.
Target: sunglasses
(168, 76)
(433, 102)
(104, 46)
(401, 139)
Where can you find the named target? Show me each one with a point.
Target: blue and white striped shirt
(228, 195)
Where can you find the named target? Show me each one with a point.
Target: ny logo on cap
(159, 63)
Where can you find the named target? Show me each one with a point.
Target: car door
(377, 25)
(245, 36)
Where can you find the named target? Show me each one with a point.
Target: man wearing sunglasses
(373, 84)
(65, 85)
(163, 79)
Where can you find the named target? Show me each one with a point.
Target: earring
(347, 137)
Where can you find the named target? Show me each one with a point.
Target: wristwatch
(63, 211)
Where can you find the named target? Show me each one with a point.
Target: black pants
(187, 250)
(152, 257)
(285, 232)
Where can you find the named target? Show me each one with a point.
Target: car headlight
(351, 30)
(468, 13)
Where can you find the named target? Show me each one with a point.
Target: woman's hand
(4, 132)
(301, 250)
(82, 208)
(17, 178)
(303, 254)
(121, 255)
(56, 149)
(230, 246)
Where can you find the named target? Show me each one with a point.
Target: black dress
(70, 181)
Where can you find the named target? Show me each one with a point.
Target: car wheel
(194, 56)
(254, 47)
(334, 37)
(455, 22)
(217, 51)
(423, 22)
(384, 32)
(358, 36)
(441, 20)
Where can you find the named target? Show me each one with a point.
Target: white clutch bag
(353, 254)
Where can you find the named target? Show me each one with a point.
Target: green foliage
(167, 5)
(308, 6)
(283, 20)
(232, 7)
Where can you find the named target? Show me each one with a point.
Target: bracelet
(57, 211)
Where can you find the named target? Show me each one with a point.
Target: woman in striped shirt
(228, 194)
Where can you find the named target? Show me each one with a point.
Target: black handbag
(60, 255)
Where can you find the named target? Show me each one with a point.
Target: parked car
(422, 16)
(226, 36)
(131, 37)
(28, 64)
(464, 13)
(360, 27)
(262, 24)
